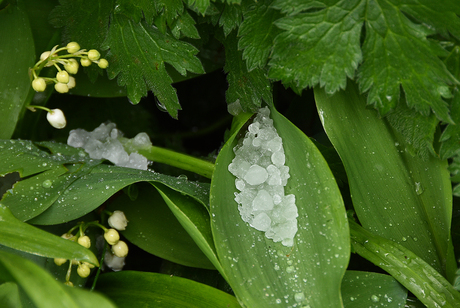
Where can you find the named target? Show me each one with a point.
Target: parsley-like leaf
(84, 21)
(138, 53)
(199, 5)
(136, 10)
(321, 41)
(247, 88)
(231, 18)
(257, 33)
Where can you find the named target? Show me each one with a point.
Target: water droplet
(418, 188)
(47, 183)
(375, 298)
(160, 105)
(404, 239)
(290, 269)
(299, 297)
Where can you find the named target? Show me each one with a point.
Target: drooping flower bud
(118, 220)
(73, 47)
(39, 84)
(111, 236)
(56, 118)
(120, 249)
(84, 241)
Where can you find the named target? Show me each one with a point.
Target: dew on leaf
(47, 183)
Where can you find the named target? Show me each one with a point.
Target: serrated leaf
(199, 5)
(231, 18)
(17, 54)
(138, 289)
(321, 45)
(247, 88)
(138, 53)
(257, 267)
(257, 33)
(185, 25)
(83, 20)
(136, 10)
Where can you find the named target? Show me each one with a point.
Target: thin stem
(101, 262)
(179, 160)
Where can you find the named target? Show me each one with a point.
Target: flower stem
(182, 161)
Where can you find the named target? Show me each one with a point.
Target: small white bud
(56, 118)
(39, 84)
(71, 66)
(83, 270)
(111, 236)
(93, 55)
(68, 283)
(103, 63)
(73, 47)
(85, 62)
(62, 76)
(84, 241)
(45, 55)
(59, 261)
(71, 84)
(118, 220)
(61, 87)
(120, 249)
(114, 262)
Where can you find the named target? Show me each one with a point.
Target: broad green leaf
(199, 5)
(22, 236)
(68, 184)
(137, 289)
(17, 54)
(154, 228)
(366, 289)
(325, 38)
(257, 33)
(231, 18)
(247, 88)
(387, 180)
(43, 290)
(430, 287)
(263, 273)
(9, 295)
(194, 218)
(138, 53)
(83, 21)
(136, 10)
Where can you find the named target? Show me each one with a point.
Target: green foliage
(383, 108)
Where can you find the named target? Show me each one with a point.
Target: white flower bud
(103, 63)
(68, 283)
(56, 118)
(71, 66)
(62, 76)
(39, 84)
(59, 261)
(71, 84)
(93, 55)
(85, 62)
(61, 87)
(118, 220)
(111, 236)
(114, 262)
(45, 55)
(73, 47)
(83, 270)
(120, 249)
(84, 241)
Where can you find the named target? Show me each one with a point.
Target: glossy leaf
(138, 289)
(22, 236)
(17, 54)
(9, 295)
(372, 290)
(42, 289)
(386, 180)
(194, 218)
(430, 287)
(154, 228)
(263, 273)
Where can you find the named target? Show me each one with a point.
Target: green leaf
(137, 289)
(199, 5)
(136, 10)
(17, 55)
(22, 236)
(83, 21)
(257, 33)
(138, 53)
(324, 36)
(321, 47)
(231, 18)
(185, 25)
(365, 289)
(247, 88)
(9, 295)
(430, 287)
(43, 290)
(262, 272)
(154, 228)
(194, 218)
(386, 180)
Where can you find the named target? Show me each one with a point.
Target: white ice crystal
(105, 142)
(260, 179)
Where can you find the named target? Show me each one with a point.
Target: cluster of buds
(63, 81)
(119, 249)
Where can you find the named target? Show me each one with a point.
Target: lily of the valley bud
(61, 87)
(120, 249)
(56, 118)
(39, 84)
(71, 66)
(103, 63)
(84, 241)
(111, 236)
(71, 84)
(118, 220)
(73, 47)
(93, 55)
(62, 76)
(114, 262)
(60, 261)
(83, 270)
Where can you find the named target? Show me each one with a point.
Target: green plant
(372, 182)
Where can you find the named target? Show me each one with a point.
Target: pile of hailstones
(261, 177)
